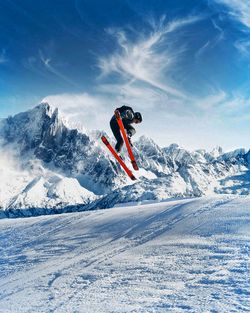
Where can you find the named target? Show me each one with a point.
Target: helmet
(138, 116)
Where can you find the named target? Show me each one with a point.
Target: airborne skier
(128, 117)
(121, 127)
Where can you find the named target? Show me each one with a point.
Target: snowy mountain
(48, 164)
(41, 134)
(55, 164)
(180, 256)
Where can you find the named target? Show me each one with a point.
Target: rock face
(67, 167)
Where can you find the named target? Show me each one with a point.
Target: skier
(128, 117)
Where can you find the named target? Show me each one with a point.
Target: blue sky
(183, 64)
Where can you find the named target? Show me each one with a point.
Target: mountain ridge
(49, 149)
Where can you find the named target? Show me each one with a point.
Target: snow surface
(187, 255)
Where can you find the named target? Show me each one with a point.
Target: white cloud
(236, 108)
(73, 102)
(224, 107)
(147, 59)
(243, 46)
(239, 9)
(211, 43)
(135, 95)
(47, 63)
(92, 112)
(203, 49)
(212, 101)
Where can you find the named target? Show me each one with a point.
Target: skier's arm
(130, 131)
(126, 112)
(129, 114)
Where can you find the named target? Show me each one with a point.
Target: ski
(112, 150)
(124, 135)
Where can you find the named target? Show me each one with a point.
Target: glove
(129, 133)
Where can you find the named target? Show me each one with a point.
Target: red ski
(112, 150)
(124, 135)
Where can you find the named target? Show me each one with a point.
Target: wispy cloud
(237, 106)
(72, 103)
(147, 58)
(243, 46)
(239, 9)
(212, 101)
(211, 43)
(224, 107)
(92, 111)
(133, 94)
(47, 63)
(33, 64)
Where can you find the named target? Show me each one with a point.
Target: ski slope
(187, 255)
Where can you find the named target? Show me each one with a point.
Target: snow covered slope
(37, 187)
(178, 256)
(50, 165)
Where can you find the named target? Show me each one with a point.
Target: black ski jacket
(127, 114)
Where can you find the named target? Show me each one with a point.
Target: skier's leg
(116, 131)
(130, 132)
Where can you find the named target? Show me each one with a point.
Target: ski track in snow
(178, 256)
